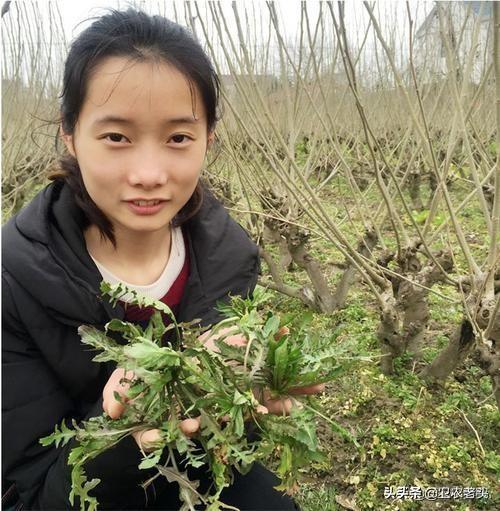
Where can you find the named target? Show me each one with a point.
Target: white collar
(158, 289)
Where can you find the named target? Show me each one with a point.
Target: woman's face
(140, 141)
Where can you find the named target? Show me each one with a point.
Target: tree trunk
(414, 188)
(389, 337)
(405, 314)
(452, 355)
(278, 284)
(489, 360)
(416, 317)
(324, 298)
(413, 299)
(350, 275)
(275, 237)
(389, 331)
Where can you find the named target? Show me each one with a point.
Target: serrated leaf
(61, 436)
(119, 290)
(150, 461)
(76, 454)
(80, 487)
(176, 381)
(258, 361)
(280, 364)
(238, 424)
(188, 494)
(158, 327)
(99, 340)
(229, 351)
(117, 325)
(285, 465)
(148, 332)
(271, 327)
(337, 428)
(239, 399)
(149, 355)
(307, 435)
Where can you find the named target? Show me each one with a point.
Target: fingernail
(262, 409)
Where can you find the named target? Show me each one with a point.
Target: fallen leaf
(346, 502)
(354, 480)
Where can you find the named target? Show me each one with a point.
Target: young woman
(138, 112)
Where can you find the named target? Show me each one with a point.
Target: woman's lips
(146, 209)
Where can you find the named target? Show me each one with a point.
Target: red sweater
(172, 298)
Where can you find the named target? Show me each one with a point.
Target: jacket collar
(44, 244)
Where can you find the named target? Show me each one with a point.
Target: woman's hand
(115, 384)
(280, 406)
(145, 438)
(208, 339)
(283, 406)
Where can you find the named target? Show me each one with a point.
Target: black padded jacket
(50, 286)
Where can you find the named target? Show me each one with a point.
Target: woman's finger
(308, 390)
(263, 410)
(284, 405)
(190, 426)
(145, 438)
(208, 339)
(284, 330)
(236, 340)
(280, 406)
(116, 383)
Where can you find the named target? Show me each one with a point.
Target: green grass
(410, 435)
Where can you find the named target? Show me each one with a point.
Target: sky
(77, 15)
(73, 13)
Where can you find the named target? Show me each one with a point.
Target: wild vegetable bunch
(180, 378)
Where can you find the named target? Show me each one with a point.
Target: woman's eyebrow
(115, 119)
(108, 119)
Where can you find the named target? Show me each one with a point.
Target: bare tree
(355, 153)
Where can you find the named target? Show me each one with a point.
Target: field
(412, 432)
(361, 155)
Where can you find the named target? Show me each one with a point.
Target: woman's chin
(144, 225)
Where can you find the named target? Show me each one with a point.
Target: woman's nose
(148, 170)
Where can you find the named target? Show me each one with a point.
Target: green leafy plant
(421, 216)
(177, 377)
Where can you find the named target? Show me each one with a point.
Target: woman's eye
(179, 139)
(115, 137)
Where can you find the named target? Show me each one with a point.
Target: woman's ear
(68, 141)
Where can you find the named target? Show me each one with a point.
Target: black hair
(141, 37)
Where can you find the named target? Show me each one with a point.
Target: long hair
(141, 38)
